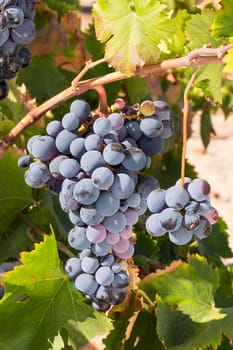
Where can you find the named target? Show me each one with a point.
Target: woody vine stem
(195, 58)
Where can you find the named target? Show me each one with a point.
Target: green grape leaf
(15, 195)
(206, 127)
(144, 337)
(197, 30)
(178, 332)
(223, 25)
(178, 41)
(190, 287)
(17, 240)
(228, 59)
(209, 79)
(135, 32)
(40, 300)
(49, 84)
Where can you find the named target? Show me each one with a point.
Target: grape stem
(185, 123)
(195, 58)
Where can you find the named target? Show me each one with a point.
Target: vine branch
(195, 58)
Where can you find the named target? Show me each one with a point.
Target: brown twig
(185, 124)
(195, 58)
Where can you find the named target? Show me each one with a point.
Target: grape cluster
(182, 211)
(101, 279)
(16, 30)
(95, 164)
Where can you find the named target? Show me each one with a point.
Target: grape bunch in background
(182, 211)
(95, 165)
(16, 30)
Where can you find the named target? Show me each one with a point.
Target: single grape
(199, 189)
(102, 126)
(156, 200)
(93, 142)
(70, 121)
(181, 236)
(115, 223)
(86, 283)
(116, 120)
(121, 280)
(212, 216)
(113, 153)
(192, 207)
(89, 264)
(25, 161)
(37, 175)
(73, 267)
(151, 127)
(102, 178)
(100, 306)
(170, 219)
(81, 108)
(204, 229)
(176, 197)
(104, 276)
(168, 129)
(116, 267)
(85, 193)
(135, 159)
(107, 260)
(77, 238)
(67, 202)
(4, 35)
(53, 128)
(96, 233)
(104, 293)
(63, 141)
(91, 160)
(107, 204)
(123, 186)
(77, 147)
(153, 226)
(126, 232)
(90, 216)
(69, 167)
(131, 217)
(147, 108)
(133, 129)
(112, 238)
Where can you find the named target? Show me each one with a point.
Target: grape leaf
(15, 195)
(184, 287)
(40, 300)
(197, 29)
(209, 80)
(228, 59)
(132, 31)
(144, 337)
(178, 41)
(223, 24)
(178, 332)
(52, 82)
